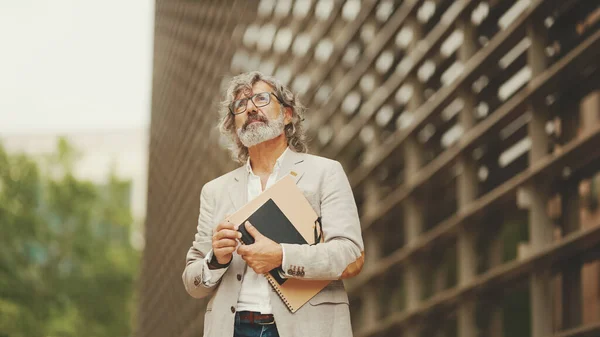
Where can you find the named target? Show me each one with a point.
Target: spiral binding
(275, 286)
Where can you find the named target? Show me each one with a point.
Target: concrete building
(193, 48)
(469, 131)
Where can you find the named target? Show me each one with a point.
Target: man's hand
(224, 242)
(263, 255)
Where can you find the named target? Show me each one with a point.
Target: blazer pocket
(331, 296)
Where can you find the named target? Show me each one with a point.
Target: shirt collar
(277, 162)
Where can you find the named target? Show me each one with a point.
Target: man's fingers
(225, 225)
(225, 243)
(244, 257)
(224, 250)
(258, 269)
(227, 234)
(252, 230)
(243, 250)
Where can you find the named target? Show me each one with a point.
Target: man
(263, 120)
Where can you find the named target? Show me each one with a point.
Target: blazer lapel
(292, 164)
(239, 188)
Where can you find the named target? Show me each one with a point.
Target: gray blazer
(326, 187)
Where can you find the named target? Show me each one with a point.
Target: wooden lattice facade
(470, 131)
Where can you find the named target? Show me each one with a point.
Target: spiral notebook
(272, 223)
(283, 214)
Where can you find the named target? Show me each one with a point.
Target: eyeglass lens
(260, 100)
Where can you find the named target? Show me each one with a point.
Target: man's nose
(251, 107)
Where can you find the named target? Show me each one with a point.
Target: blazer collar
(292, 163)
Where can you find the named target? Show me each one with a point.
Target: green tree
(66, 265)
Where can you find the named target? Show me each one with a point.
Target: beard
(251, 134)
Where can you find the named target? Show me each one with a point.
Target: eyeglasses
(259, 100)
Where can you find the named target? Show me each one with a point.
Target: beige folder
(292, 203)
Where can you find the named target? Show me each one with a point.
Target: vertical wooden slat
(467, 190)
(540, 225)
(413, 211)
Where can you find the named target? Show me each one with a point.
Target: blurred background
(469, 129)
(75, 88)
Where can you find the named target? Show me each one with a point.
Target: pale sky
(75, 65)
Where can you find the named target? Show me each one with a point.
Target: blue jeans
(246, 329)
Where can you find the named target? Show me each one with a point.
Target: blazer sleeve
(341, 255)
(196, 283)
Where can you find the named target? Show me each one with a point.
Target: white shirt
(254, 295)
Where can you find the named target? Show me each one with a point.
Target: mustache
(254, 118)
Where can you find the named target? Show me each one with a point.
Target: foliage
(66, 265)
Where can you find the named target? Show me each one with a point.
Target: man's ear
(288, 115)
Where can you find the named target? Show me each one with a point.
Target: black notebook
(272, 223)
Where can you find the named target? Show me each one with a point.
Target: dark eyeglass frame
(245, 104)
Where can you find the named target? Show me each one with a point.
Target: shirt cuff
(211, 276)
(282, 269)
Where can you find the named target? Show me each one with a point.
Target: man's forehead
(244, 91)
(247, 91)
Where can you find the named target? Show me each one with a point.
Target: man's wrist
(213, 263)
(280, 255)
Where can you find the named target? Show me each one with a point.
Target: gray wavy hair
(294, 132)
